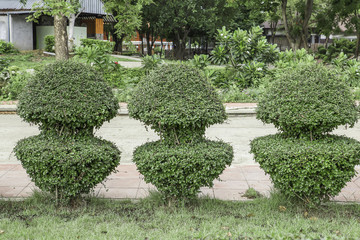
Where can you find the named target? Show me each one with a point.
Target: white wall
(21, 32)
(4, 28)
(42, 31)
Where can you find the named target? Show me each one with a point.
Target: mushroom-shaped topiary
(178, 103)
(67, 100)
(67, 97)
(304, 161)
(307, 101)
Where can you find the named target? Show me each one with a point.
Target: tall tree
(127, 14)
(60, 10)
(348, 13)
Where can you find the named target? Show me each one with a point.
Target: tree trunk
(305, 26)
(327, 41)
(273, 26)
(161, 48)
(357, 44)
(284, 16)
(71, 31)
(148, 44)
(61, 38)
(142, 44)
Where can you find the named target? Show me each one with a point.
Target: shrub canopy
(308, 100)
(67, 97)
(312, 171)
(177, 102)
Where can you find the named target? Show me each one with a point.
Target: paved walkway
(128, 183)
(127, 134)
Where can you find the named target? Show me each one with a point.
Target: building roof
(88, 6)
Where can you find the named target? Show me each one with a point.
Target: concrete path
(128, 183)
(127, 133)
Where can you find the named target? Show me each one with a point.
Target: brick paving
(127, 183)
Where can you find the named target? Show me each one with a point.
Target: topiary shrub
(304, 161)
(307, 100)
(67, 97)
(178, 103)
(67, 166)
(67, 100)
(314, 170)
(179, 171)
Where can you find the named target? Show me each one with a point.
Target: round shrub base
(179, 171)
(313, 171)
(67, 167)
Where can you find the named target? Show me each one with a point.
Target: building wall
(42, 31)
(4, 28)
(21, 32)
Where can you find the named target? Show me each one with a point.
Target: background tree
(127, 14)
(348, 13)
(61, 11)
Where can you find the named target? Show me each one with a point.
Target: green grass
(28, 59)
(37, 218)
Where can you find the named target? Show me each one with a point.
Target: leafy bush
(290, 58)
(123, 77)
(312, 171)
(178, 103)
(15, 85)
(181, 170)
(98, 57)
(49, 43)
(247, 52)
(7, 47)
(105, 46)
(307, 100)
(201, 61)
(67, 97)
(150, 63)
(339, 46)
(67, 167)
(67, 100)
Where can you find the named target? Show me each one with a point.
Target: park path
(127, 133)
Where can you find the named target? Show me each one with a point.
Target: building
(25, 35)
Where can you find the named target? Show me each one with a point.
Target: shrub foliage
(67, 100)
(178, 103)
(305, 103)
(181, 170)
(307, 100)
(67, 166)
(67, 97)
(313, 171)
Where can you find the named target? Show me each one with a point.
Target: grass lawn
(37, 218)
(33, 59)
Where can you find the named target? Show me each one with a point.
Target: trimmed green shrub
(307, 100)
(49, 43)
(305, 103)
(178, 103)
(7, 47)
(67, 166)
(67, 100)
(312, 171)
(181, 170)
(106, 46)
(67, 97)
